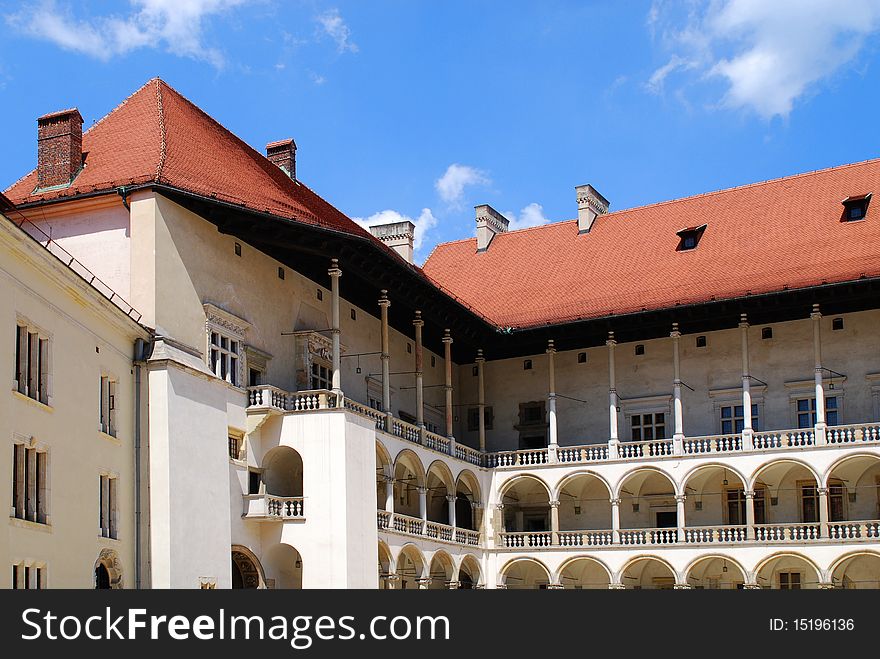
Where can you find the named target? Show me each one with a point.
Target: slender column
(389, 494)
(615, 521)
(384, 303)
(551, 400)
(418, 324)
(335, 273)
(423, 507)
(447, 357)
(750, 514)
(450, 499)
(823, 511)
(554, 522)
(678, 423)
(613, 441)
(816, 316)
(679, 515)
(481, 398)
(747, 443)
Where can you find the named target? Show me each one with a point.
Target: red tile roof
(156, 135)
(766, 237)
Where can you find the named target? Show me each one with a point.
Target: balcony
(270, 508)
(413, 526)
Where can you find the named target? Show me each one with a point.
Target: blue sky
(424, 110)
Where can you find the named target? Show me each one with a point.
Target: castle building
(682, 395)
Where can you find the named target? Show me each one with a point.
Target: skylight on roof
(855, 207)
(690, 238)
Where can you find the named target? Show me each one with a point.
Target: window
(235, 443)
(255, 377)
(837, 502)
(732, 419)
(433, 361)
(107, 406)
(855, 208)
(806, 412)
(354, 315)
(475, 371)
(527, 365)
(809, 496)
(789, 581)
(27, 577)
(701, 341)
(29, 491)
(640, 349)
(735, 506)
(280, 272)
(689, 238)
(582, 358)
(532, 425)
(766, 333)
(107, 506)
(409, 348)
(319, 294)
(322, 376)
(225, 353)
(237, 249)
(648, 426)
(473, 418)
(837, 324)
(32, 363)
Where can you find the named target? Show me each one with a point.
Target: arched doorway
(467, 500)
(102, 577)
(469, 573)
(108, 571)
(283, 472)
(246, 570)
(526, 505)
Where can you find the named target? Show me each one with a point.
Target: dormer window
(855, 208)
(690, 238)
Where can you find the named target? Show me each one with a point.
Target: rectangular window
(15, 577)
(732, 419)
(32, 363)
(648, 426)
(735, 503)
(474, 418)
(789, 581)
(29, 469)
(234, 447)
(225, 353)
(38, 578)
(107, 406)
(809, 503)
(806, 412)
(322, 376)
(107, 506)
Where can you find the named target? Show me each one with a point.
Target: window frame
(229, 363)
(33, 379)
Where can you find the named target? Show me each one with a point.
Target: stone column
(423, 507)
(335, 273)
(678, 422)
(679, 515)
(551, 401)
(816, 316)
(384, 303)
(389, 493)
(450, 499)
(447, 357)
(823, 511)
(393, 581)
(613, 440)
(418, 324)
(615, 521)
(750, 513)
(424, 583)
(747, 433)
(481, 398)
(554, 523)
(453, 585)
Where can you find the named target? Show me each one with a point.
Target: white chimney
(398, 236)
(489, 223)
(590, 206)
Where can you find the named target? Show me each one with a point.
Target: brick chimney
(590, 206)
(398, 236)
(283, 154)
(489, 223)
(59, 147)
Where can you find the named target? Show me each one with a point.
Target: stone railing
(585, 538)
(648, 536)
(786, 532)
(437, 442)
(645, 449)
(572, 454)
(853, 434)
(377, 417)
(869, 530)
(529, 540)
(271, 507)
(777, 439)
(526, 458)
(468, 454)
(715, 534)
(273, 398)
(399, 523)
(712, 444)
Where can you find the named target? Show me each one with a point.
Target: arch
(525, 574)
(526, 505)
(584, 502)
(647, 499)
(282, 472)
(714, 575)
(643, 470)
(247, 571)
(584, 572)
(384, 470)
(711, 465)
(856, 570)
(441, 570)
(467, 497)
(516, 480)
(767, 572)
(440, 485)
(410, 566)
(778, 461)
(386, 565)
(283, 567)
(583, 472)
(443, 472)
(840, 462)
(108, 571)
(408, 459)
(715, 495)
(852, 487)
(409, 478)
(646, 572)
(469, 572)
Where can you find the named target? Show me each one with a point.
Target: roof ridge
(162, 133)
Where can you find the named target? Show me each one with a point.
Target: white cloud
(455, 179)
(767, 54)
(176, 25)
(332, 25)
(530, 216)
(424, 223)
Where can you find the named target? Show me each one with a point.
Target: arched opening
(857, 572)
(584, 504)
(648, 574)
(284, 567)
(385, 566)
(584, 574)
(526, 505)
(384, 471)
(410, 567)
(246, 570)
(716, 573)
(854, 490)
(440, 486)
(440, 571)
(791, 498)
(787, 572)
(467, 500)
(715, 497)
(409, 477)
(108, 571)
(102, 577)
(525, 574)
(647, 501)
(468, 573)
(283, 472)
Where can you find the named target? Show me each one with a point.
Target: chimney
(59, 148)
(590, 206)
(398, 236)
(283, 154)
(489, 223)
